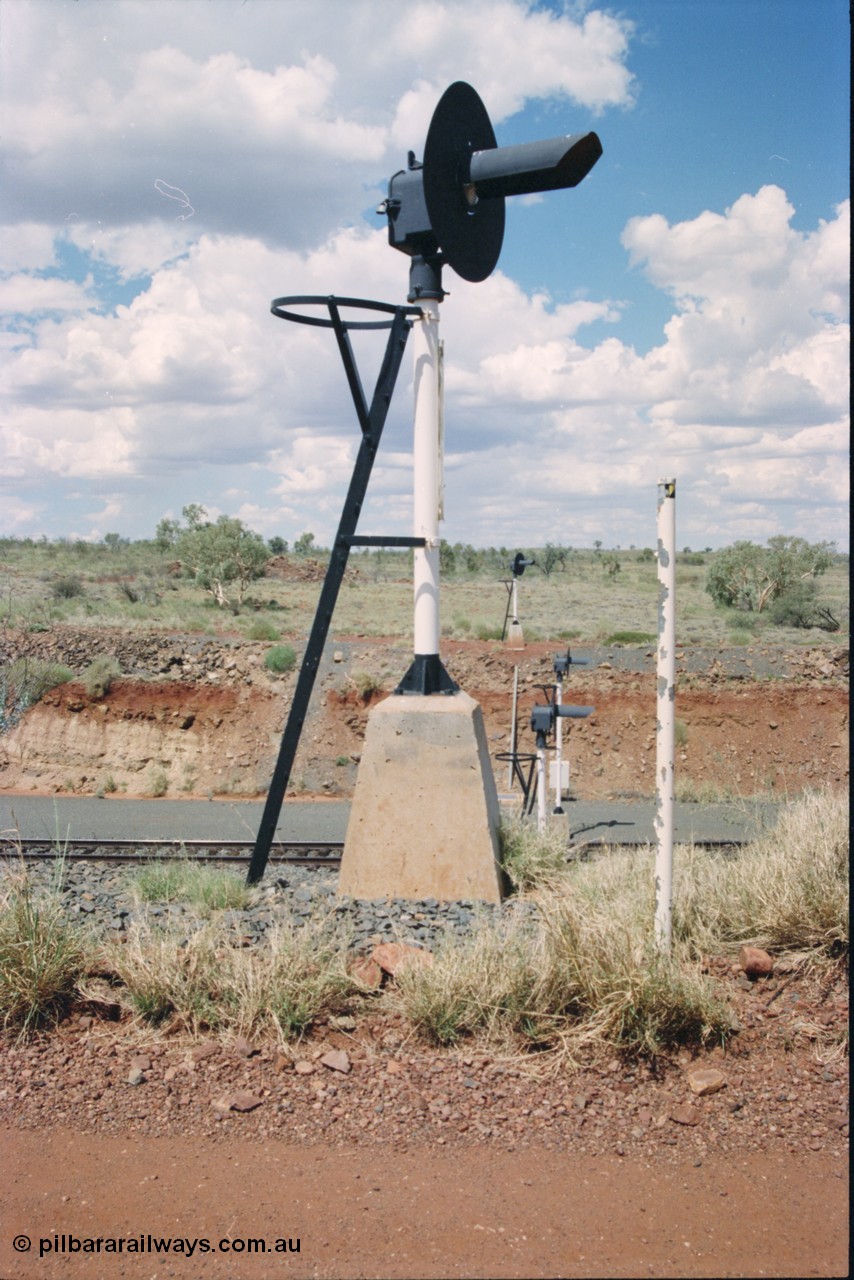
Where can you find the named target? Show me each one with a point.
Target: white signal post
(558, 746)
(665, 712)
(426, 477)
(542, 787)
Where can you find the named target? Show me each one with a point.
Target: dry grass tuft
(42, 958)
(787, 891)
(580, 974)
(205, 983)
(529, 857)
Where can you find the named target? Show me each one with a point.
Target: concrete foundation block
(424, 819)
(515, 636)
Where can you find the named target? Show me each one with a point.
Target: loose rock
(755, 962)
(705, 1080)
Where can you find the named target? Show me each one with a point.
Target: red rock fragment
(366, 972)
(243, 1048)
(336, 1060)
(705, 1080)
(204, 1050)
(244, 1101)
(394, 956)
(240, 1100)
(755, 962)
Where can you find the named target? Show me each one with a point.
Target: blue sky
(682, 312)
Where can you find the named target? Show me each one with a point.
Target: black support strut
(371, 420)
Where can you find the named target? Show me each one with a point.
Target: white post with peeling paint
(427, 477)
(513, 732)
(542, 787)
(665, 712)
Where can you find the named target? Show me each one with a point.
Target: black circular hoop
(281, 307)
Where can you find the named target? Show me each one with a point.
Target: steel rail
(304, 853)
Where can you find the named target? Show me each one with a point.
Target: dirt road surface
(477, 1212)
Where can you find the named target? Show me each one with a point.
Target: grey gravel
(103, 897)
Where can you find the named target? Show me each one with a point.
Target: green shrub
(206, 888)
(23, 683)
(67, 588)
(630, 637)
(487, 631)
(280, 659)
(263, 630)
(367, 686)
(99, 675)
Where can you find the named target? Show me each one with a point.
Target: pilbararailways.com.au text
(164, 1244)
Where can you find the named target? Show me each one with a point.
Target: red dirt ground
(417, 1212)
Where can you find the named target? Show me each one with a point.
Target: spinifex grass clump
(205, 888)
(300, 975)
(280, 659)
(157, 974)
(205, 983)
(99, 676)
(529, 856)
(787, 890)
(623, 991)
(584, 972)
(580, 972)
(482, 984)
(42, 957)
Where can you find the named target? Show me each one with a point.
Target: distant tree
(611, 564)
(471, 558)
(551, 558)
(167, 534)
(447, 557)
(598, 545)
(114, 541)
(194, 513)
(749, 577)
(277, 545)
(304, 545)
(221, 555)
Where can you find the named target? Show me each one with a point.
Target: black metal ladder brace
(371, 421)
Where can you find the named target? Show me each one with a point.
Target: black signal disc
(469, 236)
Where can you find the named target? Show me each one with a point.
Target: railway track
(304, 853)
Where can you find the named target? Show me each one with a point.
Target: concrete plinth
(424, 819)
(515, 636)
